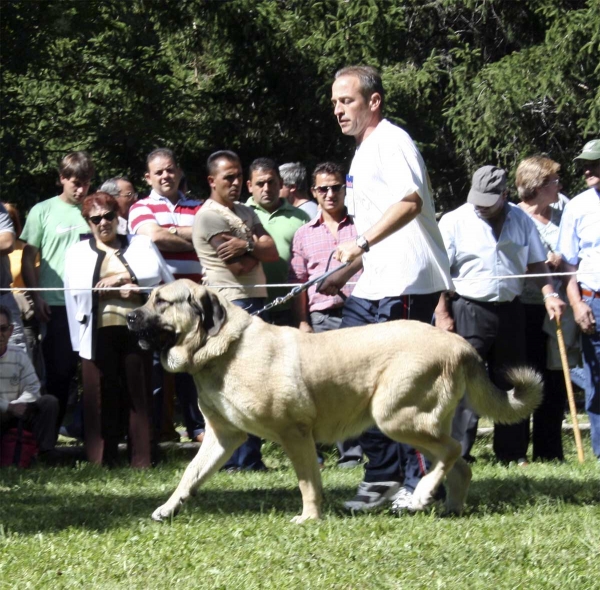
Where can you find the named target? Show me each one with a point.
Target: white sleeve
(29, 385)
(165, 274)
(447, 231)
(568, 242)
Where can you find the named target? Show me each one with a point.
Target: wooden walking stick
(570, 396)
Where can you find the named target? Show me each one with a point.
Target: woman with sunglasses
(105, 277)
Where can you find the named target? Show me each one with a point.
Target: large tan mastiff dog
(295, 388)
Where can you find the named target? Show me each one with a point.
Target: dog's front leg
(216, 448)
(303, 455)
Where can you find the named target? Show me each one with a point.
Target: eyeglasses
(96, 219)
(4, 329)
(335, 188)
(554, 181)
(128, 195)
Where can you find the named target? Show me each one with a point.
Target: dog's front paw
(302, 518)
(165, 512)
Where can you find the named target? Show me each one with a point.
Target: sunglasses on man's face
(96, 219)
(335, 188)
(4, 329)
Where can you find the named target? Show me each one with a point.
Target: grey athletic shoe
(402, 501)
(372, 494)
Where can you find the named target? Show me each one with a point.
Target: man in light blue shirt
(579, 244)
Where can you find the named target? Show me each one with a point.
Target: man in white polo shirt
(488, 237)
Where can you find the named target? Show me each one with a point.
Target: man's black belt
(490, 303)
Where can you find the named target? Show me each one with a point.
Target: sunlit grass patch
(534, 527)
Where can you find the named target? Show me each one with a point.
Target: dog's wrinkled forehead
(171, 303)
(183, 306)
(176, 292)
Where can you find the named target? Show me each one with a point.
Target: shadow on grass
(510, 494)
(41, 511)
(27, 507)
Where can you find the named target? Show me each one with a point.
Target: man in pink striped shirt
(166, 216)
(311, 247)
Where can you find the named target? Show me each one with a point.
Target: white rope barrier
(292, 285)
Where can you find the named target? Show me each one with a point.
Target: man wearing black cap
(579, 244)
(485, 238)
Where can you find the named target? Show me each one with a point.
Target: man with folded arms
(232, 245)
(281, 220)
(166, 217)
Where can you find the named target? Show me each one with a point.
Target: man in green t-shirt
(281, 220)
(52, 226)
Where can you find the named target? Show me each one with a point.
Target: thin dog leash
(300, 288)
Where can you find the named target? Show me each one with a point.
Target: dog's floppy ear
(211, 311)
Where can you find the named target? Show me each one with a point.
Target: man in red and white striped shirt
(166, 216)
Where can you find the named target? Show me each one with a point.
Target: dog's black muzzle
(150, 334)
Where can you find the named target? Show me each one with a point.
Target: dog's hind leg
(216, 448)
(458, 479)
(443, 451)
(301, 450)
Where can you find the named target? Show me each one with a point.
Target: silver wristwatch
(249, 246)
(362, 243)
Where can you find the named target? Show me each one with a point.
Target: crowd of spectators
(89, 259)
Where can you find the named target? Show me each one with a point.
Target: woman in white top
(538, 186)
(117, 374)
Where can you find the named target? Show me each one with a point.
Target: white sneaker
(372, 494)
(402, 501)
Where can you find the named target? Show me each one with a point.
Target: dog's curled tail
(505, 407)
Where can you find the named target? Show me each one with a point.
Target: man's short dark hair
(214, 158)
(294, 174)
(328, 168)
(6, 312)
(263, 164)
(77, 165)
(161, 153)
(369, 78)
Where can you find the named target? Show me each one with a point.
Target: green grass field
(88, 527)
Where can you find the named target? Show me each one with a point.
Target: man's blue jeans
(389, 460)
(591, 364)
